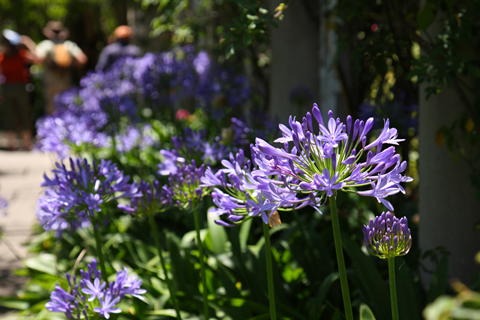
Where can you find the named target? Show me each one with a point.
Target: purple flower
(108, 306)
(246, 194)
(76, 304)
(77, 194)
(154, 198)
(95, 289)
(334, 134)
(184, 186)
(387, 236)
(336, 158)
(324, 183)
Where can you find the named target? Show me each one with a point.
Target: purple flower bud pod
(368, 126)
(360, 129)
(309, 120)
(337, 122)
(366, 230)
(390, 249)
(235, 218)
(364, 141)
(395, 242)
(305, 186)
(85, 313)
(379, 146)
(295, 141)
(349, 124)
(330, 114)
(395, 227)
(350, 160)
(317, 114)
(388, 215)
(356, 128)
(252, 152)
(224, 224)
(68, 279)
(304, 125)
(334, 161)
(313, 200)
(382, 226)
(369, 157)
(371, 224)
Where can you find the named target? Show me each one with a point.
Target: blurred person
(59, 56)
(18, 54)
(118, 49)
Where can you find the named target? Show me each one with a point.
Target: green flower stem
(99, 245)
(393, 287)
(340, 260)
(162, 262)
(268, 256)
(202, 263)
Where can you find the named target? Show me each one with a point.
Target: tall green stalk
(162, 262)
(393, 287)
(268, 256)
(340, 260)
(202, 263)
(99, 246)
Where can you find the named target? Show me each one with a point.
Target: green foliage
(248, 27)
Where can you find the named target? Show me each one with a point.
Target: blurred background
(416, 63)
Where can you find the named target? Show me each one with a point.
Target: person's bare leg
(27, 139)
(11, 140)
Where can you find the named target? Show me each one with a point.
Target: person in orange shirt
(14, 78)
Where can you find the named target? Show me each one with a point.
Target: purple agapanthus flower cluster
(65, 132)
(75, 194)
(192, 145)
(91, 295)
(184, 186)
(248, 192)
(338, 157)
(134, 137)
(387, 236)
(154, 198)
(85, 116)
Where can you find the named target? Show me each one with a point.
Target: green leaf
(15, 304)
(369, 279)
(322, 293)
(366, 313)
(218, 236)
(408, 294)
(168, 313)
(439, 283)
(44, 262)
(337, 315)
(244, 233)
(426, 16)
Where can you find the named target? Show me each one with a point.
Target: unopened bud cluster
(387, 236)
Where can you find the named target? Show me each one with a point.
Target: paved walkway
(20, 176)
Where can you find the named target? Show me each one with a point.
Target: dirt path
(20, 176)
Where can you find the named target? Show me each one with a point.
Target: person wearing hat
(14, 78)
(118, 49)
(59, 56)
